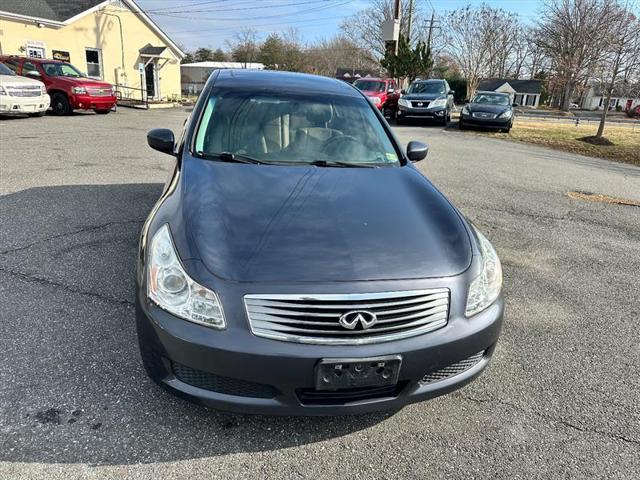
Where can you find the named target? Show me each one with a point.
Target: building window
(518, 98)
(531, 100)
(35, 52)
(94, 62)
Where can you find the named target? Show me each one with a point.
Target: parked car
(634, 112)
(488, 110)
(69, 88)
(299, 263)
(21, 96)
(383, 92)
(432, 99)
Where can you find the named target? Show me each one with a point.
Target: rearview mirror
(417, 151)
(32, 74)
(161, 139)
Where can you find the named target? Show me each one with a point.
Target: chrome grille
(420, 104)
(484, 115)
(99, 91)
(316, 318)
(453, 369)
(26, 91)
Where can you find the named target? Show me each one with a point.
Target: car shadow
(72, 386)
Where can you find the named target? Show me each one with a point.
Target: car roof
(429, 80)
(247, 79)
(31, 59)
(373, 79)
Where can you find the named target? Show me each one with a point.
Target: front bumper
(486, 122)
(434, 113)
(10, 105)
(88, 102)
(257, 375)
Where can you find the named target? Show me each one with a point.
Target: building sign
(61, 55)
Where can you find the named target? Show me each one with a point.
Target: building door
(629, 103)
(150, 79)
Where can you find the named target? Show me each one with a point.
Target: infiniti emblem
(366, 319)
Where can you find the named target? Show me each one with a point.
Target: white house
(624, 96)
(523, 92)
(194, 75)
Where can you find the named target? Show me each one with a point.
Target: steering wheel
(331, 144)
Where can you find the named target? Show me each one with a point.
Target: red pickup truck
(68, 88)
(383, 92)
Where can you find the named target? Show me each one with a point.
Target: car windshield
(426, 87)
(369, 86)
(4, 70)
(61, 70)
(291, 129)
(491, 99)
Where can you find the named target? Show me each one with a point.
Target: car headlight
(438, 103)
(43, 90)
(169, 286)
(2, 91)
(375, 100)
(78, 90)
(403, 103)
(485, 288)
(506, 114)
(465, 110)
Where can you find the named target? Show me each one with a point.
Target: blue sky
(208, 23)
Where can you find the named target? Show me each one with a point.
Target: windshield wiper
(231, 157)
(337, 163)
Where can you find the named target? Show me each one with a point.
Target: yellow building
(111, 40)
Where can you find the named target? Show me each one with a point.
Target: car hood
(483, 107)
(10, 80)
(85, 82)
(421, 96)
(260, 223)
(372, 93)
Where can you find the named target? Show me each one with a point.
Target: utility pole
(430, 29)
(409, 22)
(396, 18)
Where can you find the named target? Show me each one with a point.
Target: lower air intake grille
(351, 395)
(217, 383)
(453, 369)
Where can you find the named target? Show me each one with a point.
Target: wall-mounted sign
(141, 68)
(61, 55)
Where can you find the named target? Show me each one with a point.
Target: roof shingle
(56, 10)
(520, 86)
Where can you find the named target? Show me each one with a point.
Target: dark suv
(68, 88)
(429, 99)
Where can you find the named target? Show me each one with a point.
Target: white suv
(21, 95)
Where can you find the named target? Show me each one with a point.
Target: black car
(488, 110)
(298, 263)
(426, 99)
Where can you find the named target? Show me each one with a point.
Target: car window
(369, 86)
(281, 128)
(4, 70)
(427, 87)
(27, 67)
(61, 70)
(491, 99)
(12, 64)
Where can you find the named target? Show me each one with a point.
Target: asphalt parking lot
(560, 399)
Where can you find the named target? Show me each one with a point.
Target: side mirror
(451, 92)
(466, 100)
(417, 151)
(33, 74)
(161, 139)
(403, 91)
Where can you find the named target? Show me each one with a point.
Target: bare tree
(574, 35)
(364, 28)
(326, 56)
(244, 46)
(621, 60)
(480, 41)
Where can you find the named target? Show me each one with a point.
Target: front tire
(60, 104)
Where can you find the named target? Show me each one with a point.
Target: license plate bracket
(343, 373)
